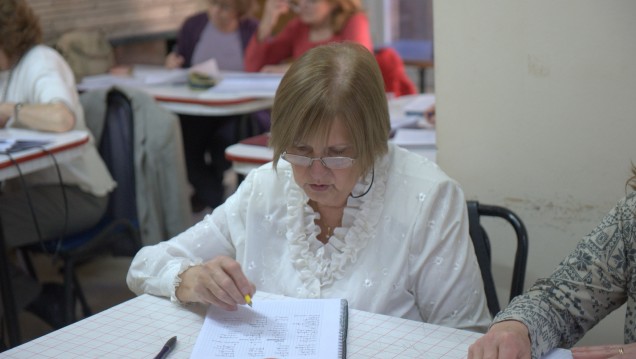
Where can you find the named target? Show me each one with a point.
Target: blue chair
(481, 243)
(117, 232)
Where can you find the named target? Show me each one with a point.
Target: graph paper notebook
(292, 328)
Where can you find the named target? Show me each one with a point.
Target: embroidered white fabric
(403, 248)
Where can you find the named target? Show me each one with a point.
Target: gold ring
(620, 351)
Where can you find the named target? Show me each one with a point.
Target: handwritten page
(293, 328)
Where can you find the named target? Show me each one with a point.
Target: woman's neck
(330, 219)
(321, 31)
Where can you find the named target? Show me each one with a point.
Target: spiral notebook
(291, 328)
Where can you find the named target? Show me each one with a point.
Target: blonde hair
(336, 81)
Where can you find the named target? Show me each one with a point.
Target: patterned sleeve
(587, 285)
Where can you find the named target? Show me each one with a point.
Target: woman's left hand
(613, 351)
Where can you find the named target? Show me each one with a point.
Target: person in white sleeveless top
(37, 92)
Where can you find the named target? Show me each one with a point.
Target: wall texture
(535, 111)
(117, 18)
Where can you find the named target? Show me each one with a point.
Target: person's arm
(219, 281)
(613, 351)
(508, 339)
(155, 269)
(174, 61)
(48, 87)
(274, 50)
(357, 30)
(181, 268)
(586, 286)
(272, 11)
(52, 117)
(187, 38)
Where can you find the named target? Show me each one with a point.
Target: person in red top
(317, 22)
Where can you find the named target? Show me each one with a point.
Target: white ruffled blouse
(403, 248)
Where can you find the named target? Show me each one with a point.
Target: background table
(182, 100)
(237, 93)
(64, 146)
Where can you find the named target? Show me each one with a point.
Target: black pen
(167, 348)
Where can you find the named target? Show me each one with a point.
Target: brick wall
(138, 28)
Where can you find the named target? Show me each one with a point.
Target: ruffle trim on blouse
(317, 266)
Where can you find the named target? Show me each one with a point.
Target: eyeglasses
(334, 163)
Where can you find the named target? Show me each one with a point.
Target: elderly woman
(221, 32)
(318, 22)
(340, 213)
(37, 92)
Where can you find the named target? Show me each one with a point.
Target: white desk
(63, 146)
(182, 100)
(139, 327)
(238, 93)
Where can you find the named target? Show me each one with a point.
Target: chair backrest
(394, 75)
(481, 243)
(116, 147)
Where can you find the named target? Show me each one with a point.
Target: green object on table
(200, 81)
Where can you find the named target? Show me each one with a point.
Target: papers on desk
(415, 137)
(245, 85)
(418, 105)
(231, 85)
(141, 75)
(12, 145)
(408, 111)
(148, 75)
(293, 328)
(17, 139)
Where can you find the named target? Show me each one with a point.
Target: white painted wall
(536, 109)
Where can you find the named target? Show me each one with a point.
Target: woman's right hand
(505, 340)
(272, 10)
(219, 281)
(174, 60)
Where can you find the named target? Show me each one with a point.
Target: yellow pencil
(248, 300)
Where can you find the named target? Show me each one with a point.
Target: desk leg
(8, 301)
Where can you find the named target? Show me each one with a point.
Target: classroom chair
(118, 231)
(481, 242)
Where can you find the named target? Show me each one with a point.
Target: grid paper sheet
(139, 328)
